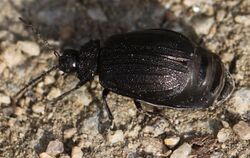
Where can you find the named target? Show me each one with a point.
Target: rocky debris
(68, 133)
(242, 129)
(29, 47)
(38, 108)
(224, 134)
(54, 148)
(172, 141)
(76, 152)
(182, 152)
(54, 92)
(49, 80)
(118, 136)
(44, 155)
(241, 101)
(97, 14)
(13, 56)
(152, 145)
(243, 19)
(4, 99)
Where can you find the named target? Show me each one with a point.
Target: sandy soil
(75, 126)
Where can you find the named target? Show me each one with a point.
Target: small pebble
(55, 92)
(241, 101)
(223, 135)
(157, 128)
(85, 98)
(54, 148)
(76, 152)
(220, 15)
(97, 14)
(4, 99)
(190, 3)
(68, 133)
(152, 145)
(19, 111)
(134, 133)
(242, 129)
(49, 80)
(182, 152)
(118, 136)
(13, 56)
(243, 19)
(216, 155)
(65, 156)
(38, 108)
(28, 47)
(203, 25)
(7, 111)
(2, 66)
(44, 155)
(172, 141)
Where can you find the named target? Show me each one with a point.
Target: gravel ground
(75, 126)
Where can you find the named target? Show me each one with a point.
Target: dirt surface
(75, 126)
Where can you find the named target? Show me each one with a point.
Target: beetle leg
(104, 97)
(140, 109)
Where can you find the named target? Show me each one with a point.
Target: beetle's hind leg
(104, 98)
(140, 109)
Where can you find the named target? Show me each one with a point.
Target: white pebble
(152, 145)
(97, 14)
(202, 26)
(68, 133)
(241, 101)
(38, 108)
(4, 99)
(223, 135)
(242, 129)
(76, 152)
(28, 47)
(65, 156)
(118, 136)
(243, 19)
(44, 155)
(182, 152)
(13, 56)
(55, 92)
(49, 80)
(172, 141)
(54, 148)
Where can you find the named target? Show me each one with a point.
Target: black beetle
(157, 66)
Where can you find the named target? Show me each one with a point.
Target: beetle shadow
(74, 23)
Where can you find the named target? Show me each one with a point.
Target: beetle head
(82, 61)
(68, 61)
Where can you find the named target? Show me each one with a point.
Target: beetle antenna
(38, 36)
(32, 83)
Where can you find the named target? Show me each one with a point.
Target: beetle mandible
(157, 66)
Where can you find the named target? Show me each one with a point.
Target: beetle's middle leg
(104, 98)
